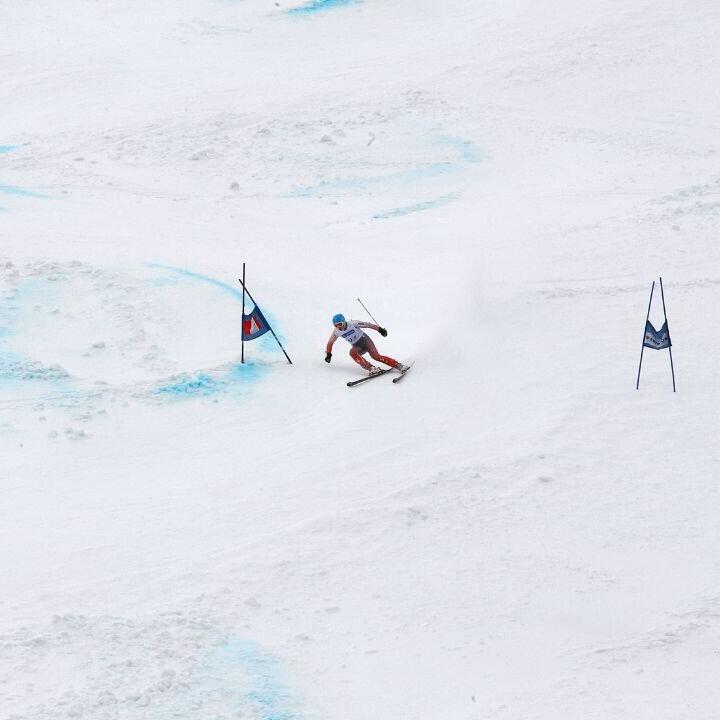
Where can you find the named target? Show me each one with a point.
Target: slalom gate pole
(368, 312)
(642, 347)
(672, 369)
(269, 326)
(242, 331)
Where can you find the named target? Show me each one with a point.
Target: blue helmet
(339, 318)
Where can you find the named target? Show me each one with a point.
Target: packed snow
(514, 531)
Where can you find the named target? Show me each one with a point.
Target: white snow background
(511, 532)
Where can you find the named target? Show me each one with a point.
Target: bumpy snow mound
(129, 668)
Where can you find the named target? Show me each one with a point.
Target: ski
(353, 383)
(403, 373)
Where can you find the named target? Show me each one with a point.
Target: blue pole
(672, 369)
(242, 326)
(642, 347)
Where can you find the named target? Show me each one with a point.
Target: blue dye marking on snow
(418, 207)
(464, 152)
(165, 281)
(14, 190)
(15, 367)
(207, 383)
(9, 320)
(203, 278)
(246, 372)
(202, 384)
(248, 680)
(403, 177)
(236, 292)
(315, 6)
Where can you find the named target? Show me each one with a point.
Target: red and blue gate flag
(254, 325)
(656, 339)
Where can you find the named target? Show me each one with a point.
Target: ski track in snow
(418, 207)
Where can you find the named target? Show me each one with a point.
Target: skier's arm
(330, 343)
(370, 326)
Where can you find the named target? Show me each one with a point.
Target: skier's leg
(375, 355)
(359, 359)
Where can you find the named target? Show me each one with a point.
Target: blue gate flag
(656, 339)
(254, 325)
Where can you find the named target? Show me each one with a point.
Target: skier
(361, 343)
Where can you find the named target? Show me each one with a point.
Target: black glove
(328, 357)
(382, 331)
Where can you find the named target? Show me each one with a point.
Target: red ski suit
(360, 342)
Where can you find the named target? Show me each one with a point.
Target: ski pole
(367, 311)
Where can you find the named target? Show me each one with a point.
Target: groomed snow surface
(512, 532)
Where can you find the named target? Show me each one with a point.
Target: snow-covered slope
(511, 532)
